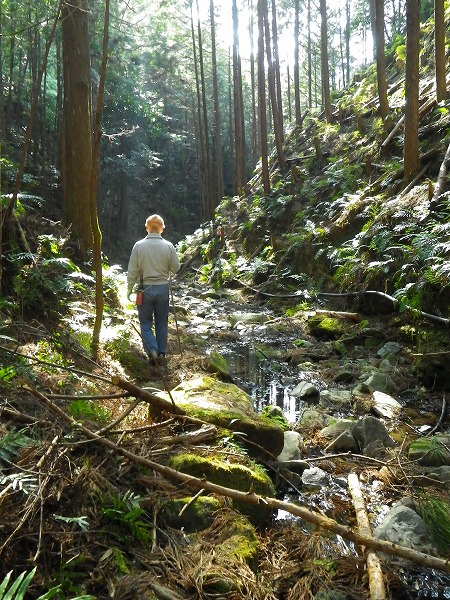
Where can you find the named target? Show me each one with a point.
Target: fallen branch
(156, 401)
(374, 571)
(318, 519)
(441, 418)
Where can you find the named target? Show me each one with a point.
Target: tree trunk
(309, 52)
(411, 163)
(380, 57)
(239, 122)
(439, 50)
(256, 145)
(216, 109)
(276, 65)
(277, 129)
(204, 115)
(324, 61)
(262, 100)
(97, 235)
(298, 115)
(77, 142)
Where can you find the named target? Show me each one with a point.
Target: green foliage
(43, 285)
(7, 373)
(88, 409)
(27, 484)
(125, 517)
(18, 588)
(81, 522)
(435, 513)
(11, 444)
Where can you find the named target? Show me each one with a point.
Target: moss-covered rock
(226, 405)
(237, 476)
(235, 544)
(327, 327)
(217, 363)
(192, 516)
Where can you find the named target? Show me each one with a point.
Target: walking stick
(175, 316)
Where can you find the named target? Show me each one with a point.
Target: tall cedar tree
(216, 109)
(239, 121)
(76, 144)
(439, 37)
(298, 115)
(262, 99)
(324, 61)
(271, 78)
(380, 58)
(411, 163)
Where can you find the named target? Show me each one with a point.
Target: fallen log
(374, 571)
(321, 521)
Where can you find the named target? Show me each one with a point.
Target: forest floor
(88, 519)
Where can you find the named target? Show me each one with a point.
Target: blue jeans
(154, 310)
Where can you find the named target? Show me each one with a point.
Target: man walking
(152, 261)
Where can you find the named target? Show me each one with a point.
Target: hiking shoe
(162, 357)
(152, 356)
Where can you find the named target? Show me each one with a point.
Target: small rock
(385, 405)
(378, 382)
(315, 478)
(369, 431)
(389, 348)
(291, 449)
(335, 429)
(345, 442)
(304, 389)
(404, 526)
(335, 397)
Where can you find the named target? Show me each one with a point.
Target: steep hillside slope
(341, 218)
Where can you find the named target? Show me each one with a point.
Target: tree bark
(239, 121)
(298, 115)
(411, 161)
(380, 58)
(97, 234)
(262, 100)
(77, 141)
(439, 50)
(324, 61)
(216, 110)
(277, 126)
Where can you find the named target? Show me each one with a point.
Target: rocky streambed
(348, 394)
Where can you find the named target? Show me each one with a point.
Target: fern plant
(128, 518)
(11, 443)
(18, 588)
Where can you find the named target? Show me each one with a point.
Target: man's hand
(130, 291)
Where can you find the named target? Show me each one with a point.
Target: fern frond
(12, 442)
(20, 481)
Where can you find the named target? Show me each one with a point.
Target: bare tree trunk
(262, 100)
(411, 163)
(298, 115)
(97, 235)
(309, 52)
(256, 145)
(207, 164)
(381, 61)
(77, 142)
(276, 64)
(439, 50)
(324, 61)
(239, 122)
(277, 130)
(216, 109)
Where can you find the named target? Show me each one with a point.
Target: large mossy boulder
(234, 475)
(189, 514)
(226, 405)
